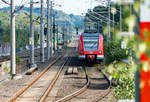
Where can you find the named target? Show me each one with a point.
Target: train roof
(91, 34)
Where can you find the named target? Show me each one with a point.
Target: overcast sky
(145, 11)
(68, 6)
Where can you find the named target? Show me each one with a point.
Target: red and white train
(90, 46)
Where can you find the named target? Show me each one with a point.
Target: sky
(77, 7)
(145, 11)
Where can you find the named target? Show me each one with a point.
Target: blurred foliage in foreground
(124, 73)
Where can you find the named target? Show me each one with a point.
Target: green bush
(6, 68)
(114, 52)
(125, 88)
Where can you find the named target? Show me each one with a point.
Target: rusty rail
(85, 87)
(107, 91)
(78, 92)
(51, 85)
(13, 98)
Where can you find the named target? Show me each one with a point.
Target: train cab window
(91, 42)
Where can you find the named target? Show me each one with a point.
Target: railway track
(24, 64)
(38, 89)
(22, 54)
(107, 91)
(28, 93)
(47, 92)
(77, 93)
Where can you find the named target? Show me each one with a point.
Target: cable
(20, 6)
(20, 2)
(5, 2)
(104, 17)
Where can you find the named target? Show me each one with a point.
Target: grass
(6, 68)
(9, 77)
(125, 73)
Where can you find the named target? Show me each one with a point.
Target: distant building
(5, 49)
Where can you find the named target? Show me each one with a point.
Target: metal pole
(108, 20)
(19, 41)
(98, 27)
(54, 33)
(113, 24)
(31, 35)
(67, 35)
(42, 32)
(24, 36)
(108, 30)
(0, 29)
(48, 29)
(120, 18)
(57, 36)
(130, 8)
(63, 36)
(12, 35)
(76, 30)
(51, 28)
(101, 31)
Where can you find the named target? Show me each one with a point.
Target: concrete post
(13, 47)
(63, 36)
(57, 36)
(42, 33)
(48, 29)
(120, 18)
(113, 24)
(108, 30)
(51, 28)
(31, 39)
(109, 20)
(54, 36)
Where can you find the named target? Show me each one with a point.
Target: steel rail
(13, 98)
(107, 91)
(85, 87)
(51, 85)
(78, 92)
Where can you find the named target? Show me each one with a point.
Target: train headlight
(100, 51)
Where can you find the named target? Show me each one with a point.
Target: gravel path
(72, 83)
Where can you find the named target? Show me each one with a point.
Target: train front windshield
(90, 42)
